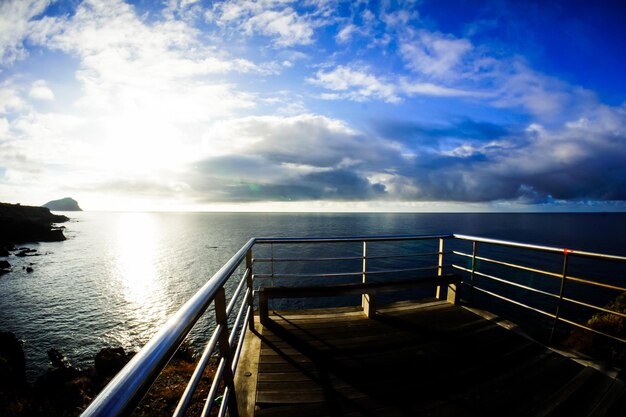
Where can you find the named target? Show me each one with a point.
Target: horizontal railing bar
(539, 271)
(233, 298)
(265, 260)
(239, 348)
(217, 380)
(280, 240)
(346, 274)
(604, 310)
(123, 393)
(573, 323)
(224, 405)
(512, 265)
(513, 301)
(597, 284)
(393, 271)
(408, 256)
(330, 275)
(350, 258)
(233, 333)
(192, 385)
(504, 281)
(542, 248)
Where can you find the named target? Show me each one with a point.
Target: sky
(318, 105)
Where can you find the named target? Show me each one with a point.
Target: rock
(5, 265)
(29, 269)
(64, 204)
(4, 251)
(58, 360)
(28, 224)
(26, 252)
(109, 361)
(12, 362)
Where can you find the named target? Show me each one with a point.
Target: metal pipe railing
(564, 277)
(126, 390)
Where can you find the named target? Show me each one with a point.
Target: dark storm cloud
(338, 185)
(314, 158)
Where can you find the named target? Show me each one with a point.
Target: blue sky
(316, 105)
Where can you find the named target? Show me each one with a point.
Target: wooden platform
(427, 359)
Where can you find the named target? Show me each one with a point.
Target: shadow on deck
(426, 359)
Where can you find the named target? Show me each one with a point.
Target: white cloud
(14, 26)
(159, 69)
(434, 54)
(360, 85)
(10, 99)
(430, 89)
(275, 19)
(355, 85)
(286, 26)
(346, 33)
(39, 90)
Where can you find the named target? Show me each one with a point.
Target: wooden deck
(427, 359)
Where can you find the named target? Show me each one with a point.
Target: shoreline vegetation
(65, 390)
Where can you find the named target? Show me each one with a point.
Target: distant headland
(64, 204)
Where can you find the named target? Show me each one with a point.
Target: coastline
(26, 224)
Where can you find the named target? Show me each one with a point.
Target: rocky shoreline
(22, 224)
(65, 390)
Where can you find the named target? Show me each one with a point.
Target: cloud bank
(188, 104)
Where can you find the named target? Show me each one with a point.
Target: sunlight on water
(136, 256)
(137, 262)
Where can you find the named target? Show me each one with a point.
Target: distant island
(64, 204)
(19, 224)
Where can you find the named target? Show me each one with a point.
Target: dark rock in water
(12, 362)
(28, 224)
(64, 204)
(4, 251)
(26, 252)
(5, 265)
(29, 269)
(58, 360)
(109, 361)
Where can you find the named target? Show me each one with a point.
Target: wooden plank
(247, 373)
(442, 360)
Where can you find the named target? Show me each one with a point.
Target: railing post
(368, 300)
(250, 285)
(472, 274)
(562, 290)
(225, 352)
(439, 268)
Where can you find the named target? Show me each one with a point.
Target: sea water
(119, 276)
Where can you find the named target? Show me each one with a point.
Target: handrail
(543, 248)
(564, 277)
(348, 239)
(126, 390)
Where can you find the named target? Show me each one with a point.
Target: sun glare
(136, 256)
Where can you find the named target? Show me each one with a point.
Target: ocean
(119, 276)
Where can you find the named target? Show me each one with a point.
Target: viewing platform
(434, 325)
(430, 358)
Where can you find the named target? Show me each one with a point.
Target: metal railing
(361, 262)
(563, 278)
